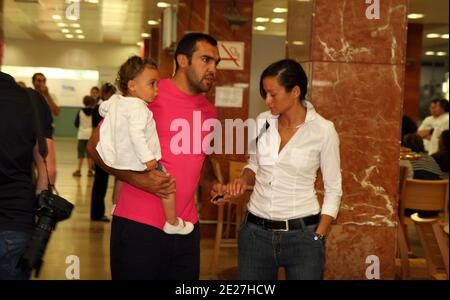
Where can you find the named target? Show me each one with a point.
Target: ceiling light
(261, 20)
(72, 18)
(152, 22)
(441, 53)
(162, 4)
(444, 36)
(69, 36)
(79, 31)
(80, 36)
(65, 30)
(433, 35)
(139, 44)
(75, 25)
(62, 25)
(415, 16)
(430, 53)
(277, 20)
(260, 28)
(145, 35)
(56, 17)
(298, 43)
(91, 1)
(280, 10)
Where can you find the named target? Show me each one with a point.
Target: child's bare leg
(117, 186)
(169, 208)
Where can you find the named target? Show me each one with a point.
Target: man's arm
(51, 102)
(155, 182)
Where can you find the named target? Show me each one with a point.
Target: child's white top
(128, 137)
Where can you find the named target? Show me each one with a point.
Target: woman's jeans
(12, 245)
(262, 252)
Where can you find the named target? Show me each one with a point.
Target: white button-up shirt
(284, 187)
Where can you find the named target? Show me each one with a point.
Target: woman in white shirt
(285, 225)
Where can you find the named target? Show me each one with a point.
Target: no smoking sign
(231, 55)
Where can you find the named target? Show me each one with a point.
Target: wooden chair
(426, 195)
(235, 210)
(434, 244)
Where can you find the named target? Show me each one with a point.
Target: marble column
(356, 70)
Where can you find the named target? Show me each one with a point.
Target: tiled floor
(87, 240)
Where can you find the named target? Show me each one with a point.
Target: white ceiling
(116, 21)
(123, 21)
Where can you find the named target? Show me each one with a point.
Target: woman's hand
(237, 187)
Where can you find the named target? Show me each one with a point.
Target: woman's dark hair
(130, 69)
(414, 142)
(289, 74)
(108, 88)
(187, 45)
(95, 88)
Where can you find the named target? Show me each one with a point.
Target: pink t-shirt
(172, 104)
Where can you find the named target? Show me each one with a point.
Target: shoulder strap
(42, 143)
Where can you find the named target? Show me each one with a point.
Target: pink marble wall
(356, 71)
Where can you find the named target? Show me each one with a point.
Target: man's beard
(196, 84)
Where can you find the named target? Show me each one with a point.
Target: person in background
(95, 94)
(425, 168)
(101, 177)
(40, 84)
(408, 126)
(22, 84)
(83, 122)
(442, 156)
(432, 127)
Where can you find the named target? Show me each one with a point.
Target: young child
(128, 137)
(83, 122)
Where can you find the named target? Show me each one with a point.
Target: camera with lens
(51, 210)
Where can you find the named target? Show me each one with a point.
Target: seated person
(424, 168)
(441, 157)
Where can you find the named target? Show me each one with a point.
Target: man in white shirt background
(432, 127)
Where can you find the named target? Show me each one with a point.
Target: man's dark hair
(187, 45)
(289, 74)
(36, 75)
(414, 142)
(442, 103)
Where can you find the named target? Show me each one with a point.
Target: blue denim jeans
(262, 252)
(12, 245)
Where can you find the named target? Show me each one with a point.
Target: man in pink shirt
(139, 247)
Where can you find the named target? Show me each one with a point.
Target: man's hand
(156, 182)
